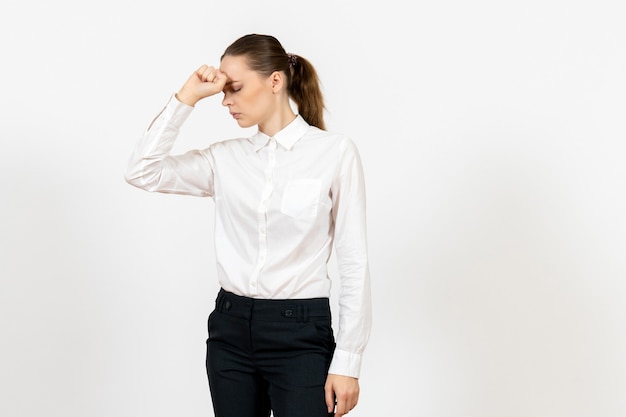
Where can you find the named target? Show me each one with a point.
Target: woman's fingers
(344, 391)
(220, 79)
(207, 73)
(204, 82)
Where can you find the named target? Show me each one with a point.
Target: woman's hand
(204, 82)
(343, 389)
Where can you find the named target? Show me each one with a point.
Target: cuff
(345, 363)
(176, 112)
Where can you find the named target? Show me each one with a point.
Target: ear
(277, 81)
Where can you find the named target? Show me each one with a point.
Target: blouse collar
(287, 137)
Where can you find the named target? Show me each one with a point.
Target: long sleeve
(355, 310)
(152, 168)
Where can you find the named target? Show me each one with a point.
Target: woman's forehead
(235, 67)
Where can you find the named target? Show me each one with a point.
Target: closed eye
(231, 89)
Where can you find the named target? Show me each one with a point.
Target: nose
(226, 101)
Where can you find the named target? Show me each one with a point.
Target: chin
(244, 124)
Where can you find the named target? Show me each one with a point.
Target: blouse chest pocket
(301, 198)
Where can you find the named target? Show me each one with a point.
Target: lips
(236, 115)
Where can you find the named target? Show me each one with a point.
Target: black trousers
(269, 355)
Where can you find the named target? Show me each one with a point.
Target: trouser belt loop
(303, 313)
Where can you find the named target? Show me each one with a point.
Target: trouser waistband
(300, 310)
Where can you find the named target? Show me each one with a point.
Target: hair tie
(293, 60)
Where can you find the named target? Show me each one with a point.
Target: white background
(492, 135)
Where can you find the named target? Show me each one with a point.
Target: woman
(283, 198)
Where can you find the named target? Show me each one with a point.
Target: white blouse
(281, 203)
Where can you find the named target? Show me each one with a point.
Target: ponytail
(305, 91)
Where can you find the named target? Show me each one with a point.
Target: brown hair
(264, 54)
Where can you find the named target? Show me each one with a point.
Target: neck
(278, 121)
